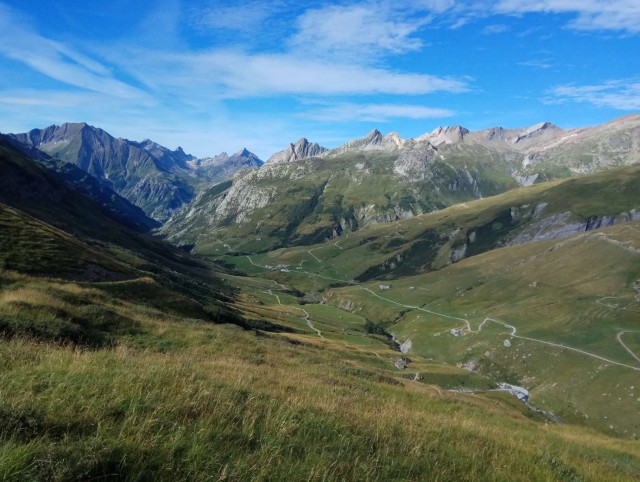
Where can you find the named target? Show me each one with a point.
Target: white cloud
(539, 64)
(249, 16)
(48, 98)
(621, 15)
(495, 29)
(374, 112)
(617, 94)
(57, 61)
(233, 74)
(138, 92)
(365, 30)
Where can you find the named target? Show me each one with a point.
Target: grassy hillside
(428, 242)
(175, 398)
(124, 358)
(580, 293)
(309, 201)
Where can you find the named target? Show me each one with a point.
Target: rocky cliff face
(150, 176)
(218, 168)
(381, 178)
(561, 225)
(302, 149)
(374, 141)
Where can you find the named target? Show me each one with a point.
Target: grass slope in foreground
(175, 398)
(130, 380)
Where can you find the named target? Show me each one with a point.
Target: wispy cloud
(538, 64)
(621, 15)
(374, 112)
(365, 30)
(247, 17)
(57, 61)
(617, 94)
(230, 74)
(494, 29)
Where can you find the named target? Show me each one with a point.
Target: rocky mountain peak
(542, 131)
(245, 158)
(374, 134)
(374, 140)
(445, 135)
(395, 137)
(302, 149)
(541, 126)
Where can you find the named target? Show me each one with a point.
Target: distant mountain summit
(444, 135)
(302, 149)
(514, 138)
(224, 166)
(382, 177)
(145, 173)
(157, 179)
(373, 141)
(57, 191)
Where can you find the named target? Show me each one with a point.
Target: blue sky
(221, 75)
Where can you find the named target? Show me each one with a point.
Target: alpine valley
(463, 305)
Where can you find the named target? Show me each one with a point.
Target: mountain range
(153, 177)
(390, 309)
(381, 178)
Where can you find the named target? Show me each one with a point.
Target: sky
(219, 75)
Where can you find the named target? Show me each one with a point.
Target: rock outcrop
(302, 149)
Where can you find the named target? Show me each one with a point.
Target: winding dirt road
(306, 317)
(467, 325)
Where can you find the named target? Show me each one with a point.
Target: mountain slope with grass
(431, 241)
(545, 272)
(558, 317)
(124, 358)
(384, 178)
(49, 228)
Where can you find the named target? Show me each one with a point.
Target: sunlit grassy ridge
(122, 358)
(580, 292)
(178, 399)
(425, 242)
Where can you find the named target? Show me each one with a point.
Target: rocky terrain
(381, 178)
(152, 177)
(296, 152)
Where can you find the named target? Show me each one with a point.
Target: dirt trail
(514, 331)
(602, 302)
(316, 258)
(557, 345)
(468, 328)
(306, 317)
(466, 322)
(619, 337)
